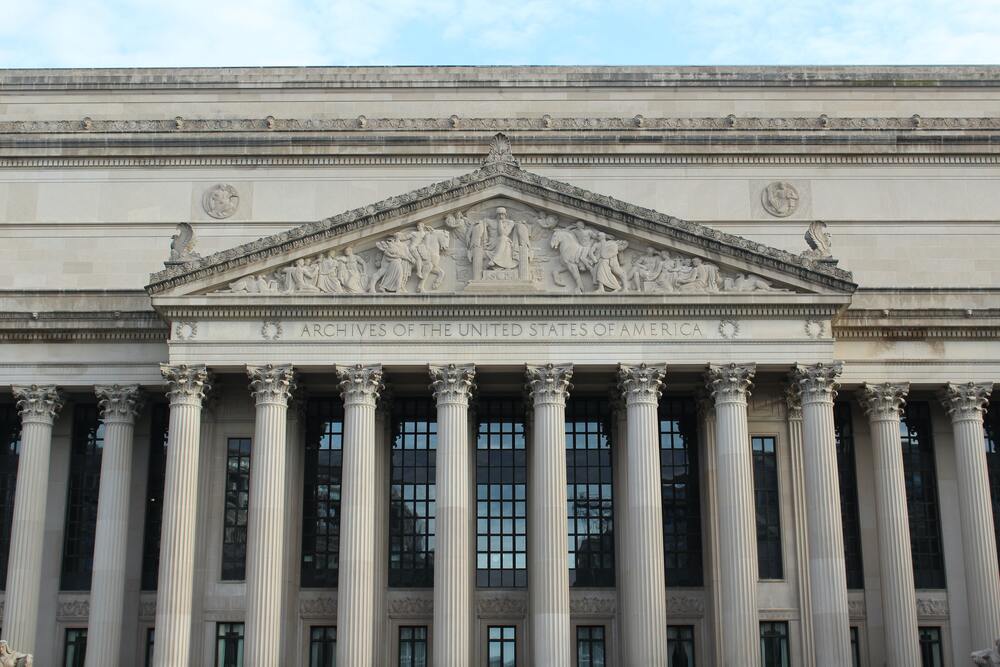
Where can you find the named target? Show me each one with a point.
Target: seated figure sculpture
(988, 657)
(11, 658)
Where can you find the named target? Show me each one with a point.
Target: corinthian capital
(452, 383)
(186, 384)
(884, 400)
(730, 382)
(818, 382)
(360, 384)
(966, 401)
(119, 402)
(642, 383)
(271, 384)
(549, 383)
(38, 403)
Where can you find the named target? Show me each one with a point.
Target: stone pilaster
(271, 387)
(884, 405)
(548, 561)
(817, 387)
(38, 407)
(356, 599)
(187, 387)
(453, 557)
(644, 613)
(119, 407)
(793, 403)
(965, 404)
(729, 386)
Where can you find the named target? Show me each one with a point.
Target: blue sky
(149, 33)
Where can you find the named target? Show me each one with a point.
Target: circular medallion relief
(185, 330)
(729, 329)
(221, 201)
(271, 330)
(814, 329)
(780, 199)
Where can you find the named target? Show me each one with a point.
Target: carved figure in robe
(182, 244)
(396, 268)
(704, 277)
(418, 252)
(574, 256)
(819, 241)
(436, 243)
(523, 250)
(476, 240)
(747, 282)
(12, 658)
(503, 246)
(301, 277)
(645, 268)
(989, 657)
(608, 269)
(328, 279)
(671, 271)
(352, 272)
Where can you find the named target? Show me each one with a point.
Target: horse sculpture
(573, 255)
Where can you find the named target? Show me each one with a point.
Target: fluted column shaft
(964, 404)
(884, 404)
(548, 561)
(644, 613)
(175, 588)
(740, 638)
(360, 387)
(794, 406)
(817, 387)
(271, 387)
(452, 386)
(38, 406)
(119, 406)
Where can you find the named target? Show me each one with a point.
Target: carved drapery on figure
(819, 241)
(182, 245)
(494, 245)
(989, 657)
(12, 658)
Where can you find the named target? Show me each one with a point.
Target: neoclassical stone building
(500, 366)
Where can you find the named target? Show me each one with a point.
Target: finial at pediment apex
(500, 152)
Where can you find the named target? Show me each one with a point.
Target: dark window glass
(321, 493)
(849, 510)
(155, 480)
(589, 491)
(992, 423)
(931, 648)
(412, 493)
(502, 649)
(680, 646)
(10, 449)
(501, 478)
(87, 443)
(590, 646)
(413, 646)
(75, 648)
(922, 496)
(774, 644)
(228, 645)
(679, 490)
(150, 639)
(234, 525)
(323, 646)
(765, 480)
(855, 647)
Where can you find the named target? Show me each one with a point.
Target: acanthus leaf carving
(685, 605)
(411, 606)
(325, 605)
(502, 605)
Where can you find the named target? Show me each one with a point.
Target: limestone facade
(213, 251)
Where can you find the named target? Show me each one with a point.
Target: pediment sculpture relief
(501, 246)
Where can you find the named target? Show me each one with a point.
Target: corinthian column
(884, 405)
(38, 406)
(271, 387)
(644, 600)
(793, 402)
(360, 387)
(548, 562)
(119, 406)
(175, 590)
(452, 386)
(730, 385)
(964, 404)
(817, 387)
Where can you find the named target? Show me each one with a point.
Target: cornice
(20, 327)
(242, 78)
(495, 175)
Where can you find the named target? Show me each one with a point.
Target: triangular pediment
(501, 230)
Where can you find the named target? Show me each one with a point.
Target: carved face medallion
(221, 201)
(780, 199)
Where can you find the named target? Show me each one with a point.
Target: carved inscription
(619, 330)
